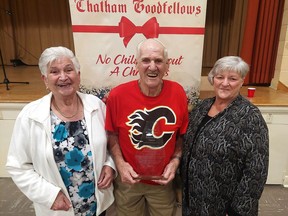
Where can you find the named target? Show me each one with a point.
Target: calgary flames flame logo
(148, 129)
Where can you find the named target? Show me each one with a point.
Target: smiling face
(62, 79)
(227, 85)
(152, 66)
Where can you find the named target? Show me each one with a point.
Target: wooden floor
(274, 201)
(19, 92)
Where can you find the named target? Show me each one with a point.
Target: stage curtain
(28, 27)
(261, 38)
(224, 30)
(6, 32)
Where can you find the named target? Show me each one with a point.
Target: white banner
(106, 33)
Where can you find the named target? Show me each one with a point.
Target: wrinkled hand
(61, 202)
(106, 177)
(169, 172)
(127, 173)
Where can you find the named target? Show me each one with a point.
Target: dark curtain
(225, 24)
(261, 39)
(249, 29)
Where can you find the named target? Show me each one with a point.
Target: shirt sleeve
(185, 120)
(110, 121)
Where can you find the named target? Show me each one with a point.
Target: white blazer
(31, 163)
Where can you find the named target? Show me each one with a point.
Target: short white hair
(53, 53)
(229, 63)
(138, 48)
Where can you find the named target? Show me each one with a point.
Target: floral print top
(73, 156)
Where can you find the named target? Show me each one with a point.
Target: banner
(106, 33)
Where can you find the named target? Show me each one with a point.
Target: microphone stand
(6, 80)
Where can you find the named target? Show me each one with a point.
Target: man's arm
(127, 173)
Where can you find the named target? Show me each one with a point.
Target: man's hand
(169, 172)
(61, 202)
(127, 173)
(106, 177)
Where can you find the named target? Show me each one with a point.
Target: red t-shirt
(147, 127)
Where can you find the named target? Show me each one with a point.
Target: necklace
(68, 117)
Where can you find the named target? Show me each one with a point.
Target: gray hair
(138, 48)
(53, 53)
(229, 63)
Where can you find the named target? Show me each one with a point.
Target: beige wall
(281, 69)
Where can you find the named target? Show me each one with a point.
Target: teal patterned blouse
(73, 156)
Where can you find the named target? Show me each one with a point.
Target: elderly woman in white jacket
(58, 156)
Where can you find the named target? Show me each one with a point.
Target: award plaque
(150, 166)
(151, 159)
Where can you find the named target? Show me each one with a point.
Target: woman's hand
(106, 177)
(61, 202)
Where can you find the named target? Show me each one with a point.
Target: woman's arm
(255, 169)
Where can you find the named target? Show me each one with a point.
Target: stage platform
(23, 93)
